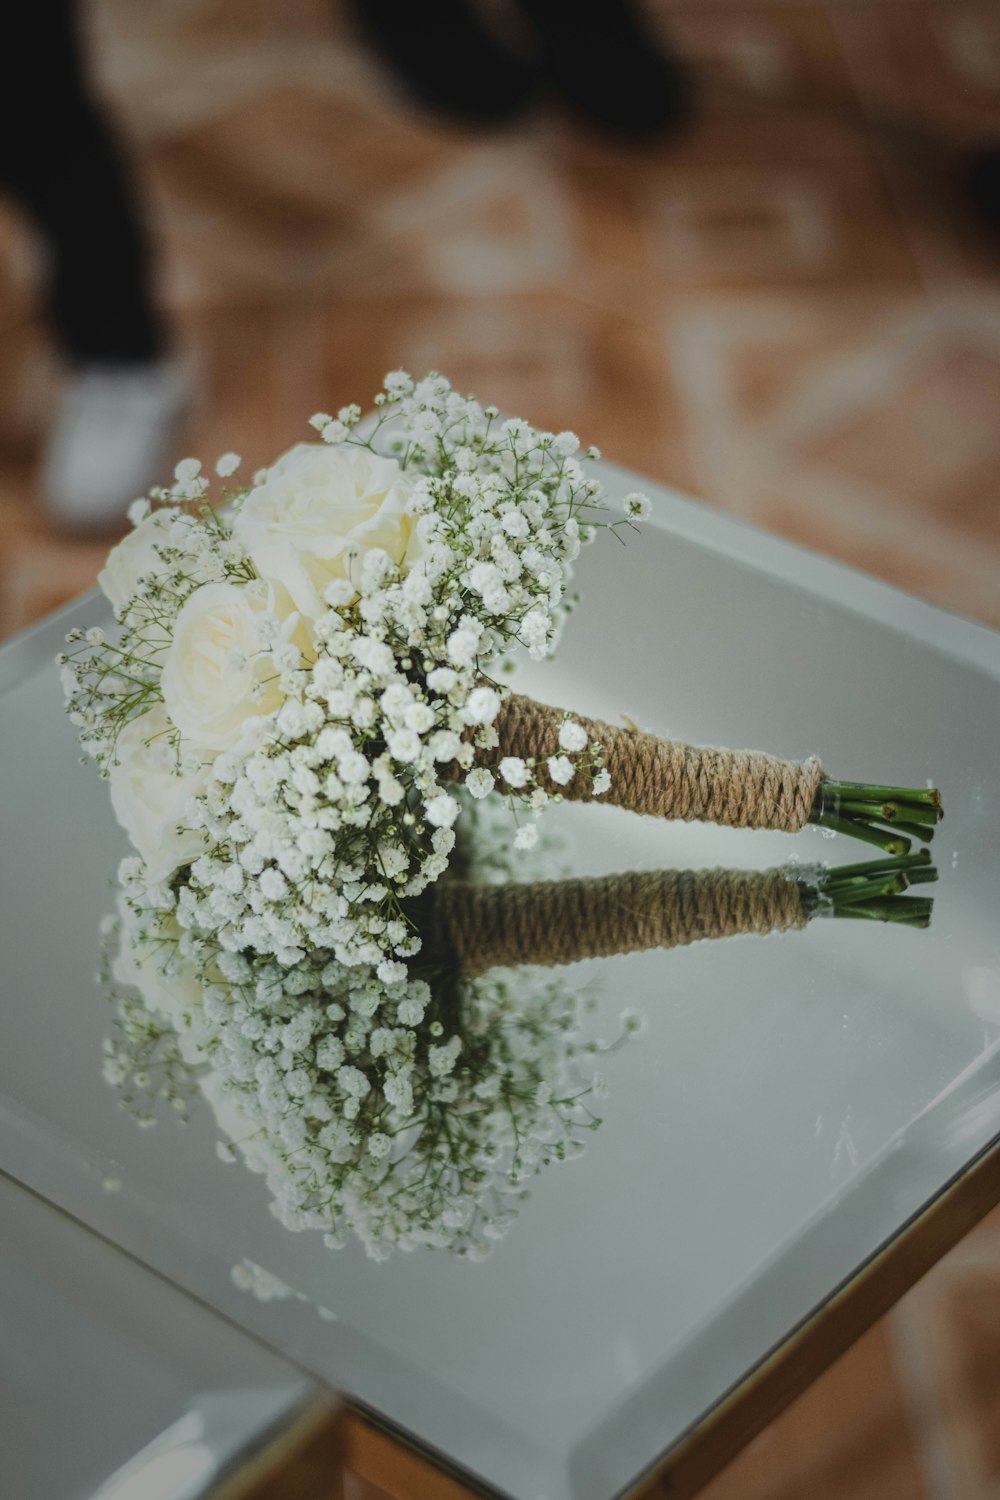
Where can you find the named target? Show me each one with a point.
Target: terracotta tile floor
(789, 313)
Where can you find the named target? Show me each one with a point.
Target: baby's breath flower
(561, 769)
(514, 771)
(442, 810)
(638, 506)
(480, 782)
(572, 736)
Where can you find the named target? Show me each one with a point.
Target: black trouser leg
(61, 162)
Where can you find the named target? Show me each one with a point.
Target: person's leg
(123, 396)
(448, 59)
(982, 183)
(610, 67)
(61, 161)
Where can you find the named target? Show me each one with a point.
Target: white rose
(150, 798)
(216, 671)
(317, 511)
(134, 558)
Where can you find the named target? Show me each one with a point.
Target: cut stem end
(888, 817)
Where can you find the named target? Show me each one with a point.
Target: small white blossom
(572, 736)
(514, 771)
(462, 647)
(482, 706)
(338, 592)
(398, 383)
(561, 769)
(638, 506)
(441, 811)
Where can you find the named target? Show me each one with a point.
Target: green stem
(869, 867)
(859, 890)
(872, 890)
(915, 830)
(892, 843)
(887, 912)
(883, 812)
(886, 812)
(864, 791)
(859, 808)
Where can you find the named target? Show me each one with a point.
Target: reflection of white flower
(150, 797)
(317, 511)
(215, 674)
(135, 558)
(176, 997)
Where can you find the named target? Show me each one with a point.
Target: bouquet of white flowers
(299, 681)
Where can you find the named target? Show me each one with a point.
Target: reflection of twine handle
(561, 921)
(743, 789)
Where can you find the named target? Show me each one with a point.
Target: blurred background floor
(789, 312)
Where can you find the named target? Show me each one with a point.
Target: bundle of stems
(479, 927)
(742, 789)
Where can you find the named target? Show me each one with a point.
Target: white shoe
(114, 437)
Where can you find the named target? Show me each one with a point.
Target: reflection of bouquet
(414, 1112)
(409, 1112)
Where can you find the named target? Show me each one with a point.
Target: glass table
(806, 1121)
(148, 1393)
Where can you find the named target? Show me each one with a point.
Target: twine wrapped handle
(561, 921)
(664, 778)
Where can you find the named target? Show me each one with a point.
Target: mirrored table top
(790, 1103)
(115, 1363)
